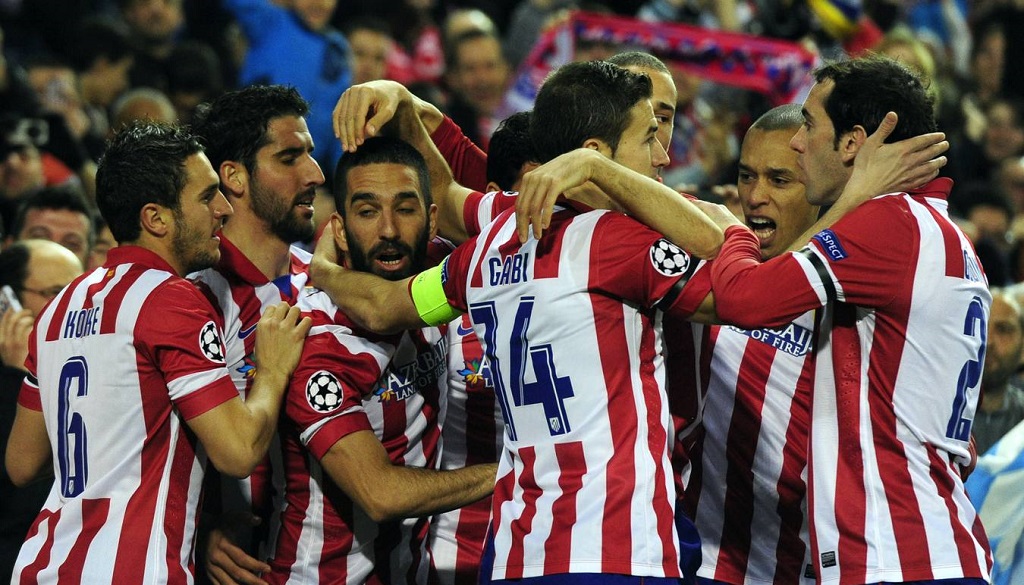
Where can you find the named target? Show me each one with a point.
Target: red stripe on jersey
(893, 465)
(94, 514)
(60, 313)
(790, 552)
(850, 510)
(130, 564)
(523, 525)
(572, 464)
(950, 240)
(177, 509)
(738, 514)
(549, 250)
(940, 470)
(115, 296)
(621, 469)
(477, 279)
(979, 534)
(657, 443)
(250, 309)
(30, 574)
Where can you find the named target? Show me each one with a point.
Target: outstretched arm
(647, 200)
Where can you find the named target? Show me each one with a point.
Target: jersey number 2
(959, 428)
(71, 440)
(547, 389)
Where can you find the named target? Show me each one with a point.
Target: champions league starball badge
(210, 343)
(668, 258)
(323, 391)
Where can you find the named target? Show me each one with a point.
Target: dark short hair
(14, 265)
(579, 101)
(451, 51)
(234, 125)
(509, 149)
(144, 163)
(380, 150)
(784, 117)
(56, 198)
(638, 59)
(867, 88)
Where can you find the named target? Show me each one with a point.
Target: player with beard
(259, 144)
(360, 431)
(128, 394)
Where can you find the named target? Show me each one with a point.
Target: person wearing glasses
(35, 271)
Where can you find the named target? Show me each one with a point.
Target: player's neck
(265, 250)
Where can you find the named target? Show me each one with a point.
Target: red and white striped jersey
(240, 293)
(899, 352)
(119, 360)
(349, 380)
(748, 484)
(470, 433)
(572, 350)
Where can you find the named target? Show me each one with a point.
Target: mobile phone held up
(8, 300)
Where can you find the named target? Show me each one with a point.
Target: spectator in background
(104, 242)
(101, 57)
(370, 40)
(1001, 138)
(35, 270)
(194, 76)
(144, 103)
(1002, 402)
(24, 166)
(154, 27)
(293, 44)
(58, 214)
(478, 75)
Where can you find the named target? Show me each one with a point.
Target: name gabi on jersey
(792, 339)
(511, 270)
(82, 323)
(401, 382)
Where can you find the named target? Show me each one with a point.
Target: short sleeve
(337, 369)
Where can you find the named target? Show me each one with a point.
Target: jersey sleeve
(182, 334)
(325, 394)
(633, 262)
(467, 161)
(454, 271)
(855, 261)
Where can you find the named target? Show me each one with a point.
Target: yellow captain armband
(428, 295)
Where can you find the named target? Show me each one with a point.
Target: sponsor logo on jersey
(668, 258)
(830, 243)
(402, 381)
(323, 391)
(471, 375)
(248, 367)
(828, 559)
(792, 339)
(210, 343)
(463, 331)
(243, 333)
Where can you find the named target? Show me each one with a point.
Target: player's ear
(338, 231)
(155, 219)
(598, 145)
(432, 220)
(850, 143)
(234, 179)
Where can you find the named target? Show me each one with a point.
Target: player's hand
(15, 327)
(227, 564)
(364, 109)
(280, 335)
(719, 213)
(887, 168)
(326, 256)
(542, 186)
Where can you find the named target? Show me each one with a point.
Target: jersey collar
(129, 254)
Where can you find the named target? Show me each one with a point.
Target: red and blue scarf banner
(778, 69)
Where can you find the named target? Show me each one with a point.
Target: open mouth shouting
(763, 227)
